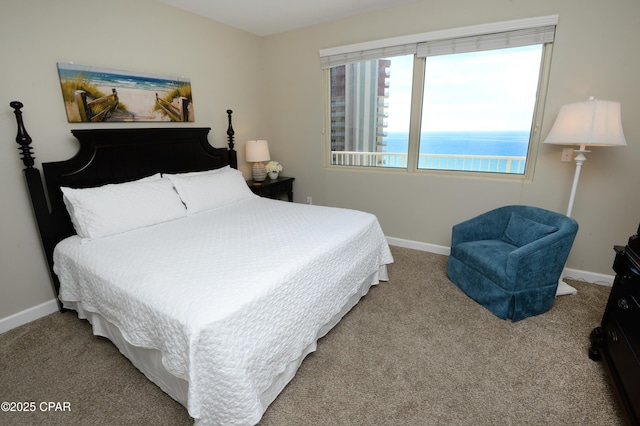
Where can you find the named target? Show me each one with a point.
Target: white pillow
(211, 189)
(116, 208)
(204, 172)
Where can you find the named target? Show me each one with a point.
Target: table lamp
(256, 152)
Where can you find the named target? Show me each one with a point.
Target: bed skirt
(149, 361)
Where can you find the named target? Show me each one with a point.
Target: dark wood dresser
(617, 341)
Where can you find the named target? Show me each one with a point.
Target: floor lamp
(589, 123)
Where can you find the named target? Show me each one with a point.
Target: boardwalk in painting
(95, 94)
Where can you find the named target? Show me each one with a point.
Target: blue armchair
(510, 259)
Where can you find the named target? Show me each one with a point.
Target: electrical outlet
(309, 200)
(567, 155)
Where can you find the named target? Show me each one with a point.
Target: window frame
(389, 47)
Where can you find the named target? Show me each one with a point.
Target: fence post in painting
(184, 108)
(83, 108)
(174, 114)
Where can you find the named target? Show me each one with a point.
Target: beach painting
(93, 94)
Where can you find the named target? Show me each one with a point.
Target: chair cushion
(488, 257)
(521, 231)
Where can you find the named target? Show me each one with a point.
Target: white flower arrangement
(273, 166)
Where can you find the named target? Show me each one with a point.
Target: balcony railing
(469, 163)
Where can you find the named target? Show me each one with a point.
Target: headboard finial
(230, 131)
(23, 138)
(233, 155)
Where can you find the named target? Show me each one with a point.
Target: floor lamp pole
(580, 158)
(563, 287)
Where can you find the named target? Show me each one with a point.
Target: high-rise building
(359, 100)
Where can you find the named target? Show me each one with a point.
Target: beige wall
(274, 86)
(222, 63)
(593, 55)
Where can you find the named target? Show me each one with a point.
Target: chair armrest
(523, 264)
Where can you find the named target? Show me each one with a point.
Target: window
(362, 94)
(477, 110)
(472, 106)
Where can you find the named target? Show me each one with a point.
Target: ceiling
(267, 17)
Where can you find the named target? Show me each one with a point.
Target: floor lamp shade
(589, 123)
(257, 151)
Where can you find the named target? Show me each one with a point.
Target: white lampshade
(257, 151)
(593, 122)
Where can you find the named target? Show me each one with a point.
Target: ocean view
(102, 78)
(479, 151)
(509, 143)
(118, 78)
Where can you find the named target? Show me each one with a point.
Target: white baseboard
(590, 277)
(572, 274)
(416, 245)
(28, 315)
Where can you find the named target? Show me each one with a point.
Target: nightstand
(273, 188)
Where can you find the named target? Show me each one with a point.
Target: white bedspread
(229, 296)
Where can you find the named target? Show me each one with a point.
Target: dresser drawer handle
(623, 304)
(613, 336)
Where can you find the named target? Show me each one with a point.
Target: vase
(273, 175)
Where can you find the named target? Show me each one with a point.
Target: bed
(215, 294)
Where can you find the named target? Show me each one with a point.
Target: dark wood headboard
(111, 156)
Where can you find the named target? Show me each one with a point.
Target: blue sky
(489, 90)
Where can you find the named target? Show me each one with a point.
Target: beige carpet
(414, 351)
